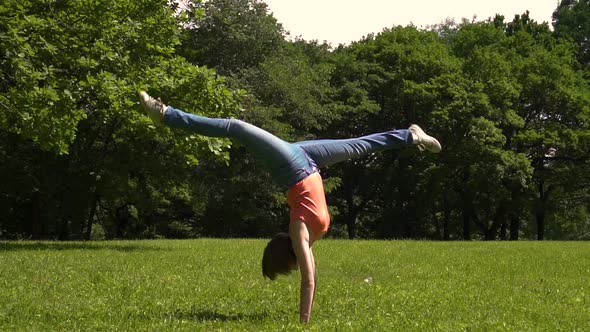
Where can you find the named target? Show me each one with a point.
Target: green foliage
(71, 71)
(571, 20)
(508, 99)
(292, 92)
(230, 35)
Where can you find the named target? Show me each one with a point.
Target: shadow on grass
(202, 315)
(64, 245)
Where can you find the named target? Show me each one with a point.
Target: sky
(344, 21)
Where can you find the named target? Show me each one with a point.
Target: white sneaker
(424, 141)
(154, 108)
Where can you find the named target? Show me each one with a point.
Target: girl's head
(278, 257)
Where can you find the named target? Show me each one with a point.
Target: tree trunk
(514, 217)
(91, 215)
(446, 234)
(351, 214)
(64, 230)
(466, 213)
(541, 225)
(514, 227)
(437, 226)
(121, 219)
(503, 231)
(540, 213)
(35, 216)
(447, 217)
(466, 224)
(351, 226)
(66, 212)
(493, 230)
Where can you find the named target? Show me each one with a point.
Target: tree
(507, 100)
(378, 84)
(541, 99)
(571, 20)
(70, 72)
(285, 96)
(230, 35)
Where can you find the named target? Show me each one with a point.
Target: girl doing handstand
(295, 166)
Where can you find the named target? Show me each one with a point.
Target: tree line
(508, 98)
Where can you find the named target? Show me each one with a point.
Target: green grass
(213, 284)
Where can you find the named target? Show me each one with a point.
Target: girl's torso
(307, 201)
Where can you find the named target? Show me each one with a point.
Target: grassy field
(211, 284)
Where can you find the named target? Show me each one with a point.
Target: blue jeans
(289, 163)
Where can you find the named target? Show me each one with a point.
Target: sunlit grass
(211, 284)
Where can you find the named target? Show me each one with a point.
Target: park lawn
(212, 284)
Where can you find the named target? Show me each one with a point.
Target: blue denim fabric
(289, 163)
(330, 151)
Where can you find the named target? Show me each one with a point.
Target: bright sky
(343, 21)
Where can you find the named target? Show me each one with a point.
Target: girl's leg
(259, 142)
(287, 163)
(331, 151)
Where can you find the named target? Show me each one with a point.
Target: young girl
(295, 167)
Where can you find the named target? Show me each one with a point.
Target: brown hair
(278, 257)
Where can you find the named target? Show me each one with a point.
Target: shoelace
(157, 103)
(421, 146)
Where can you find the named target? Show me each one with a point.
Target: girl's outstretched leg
(252, 137)
(288, 163)
(331, 151)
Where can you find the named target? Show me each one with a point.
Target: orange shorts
(308, 204)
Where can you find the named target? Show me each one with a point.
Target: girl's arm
(300, 240)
